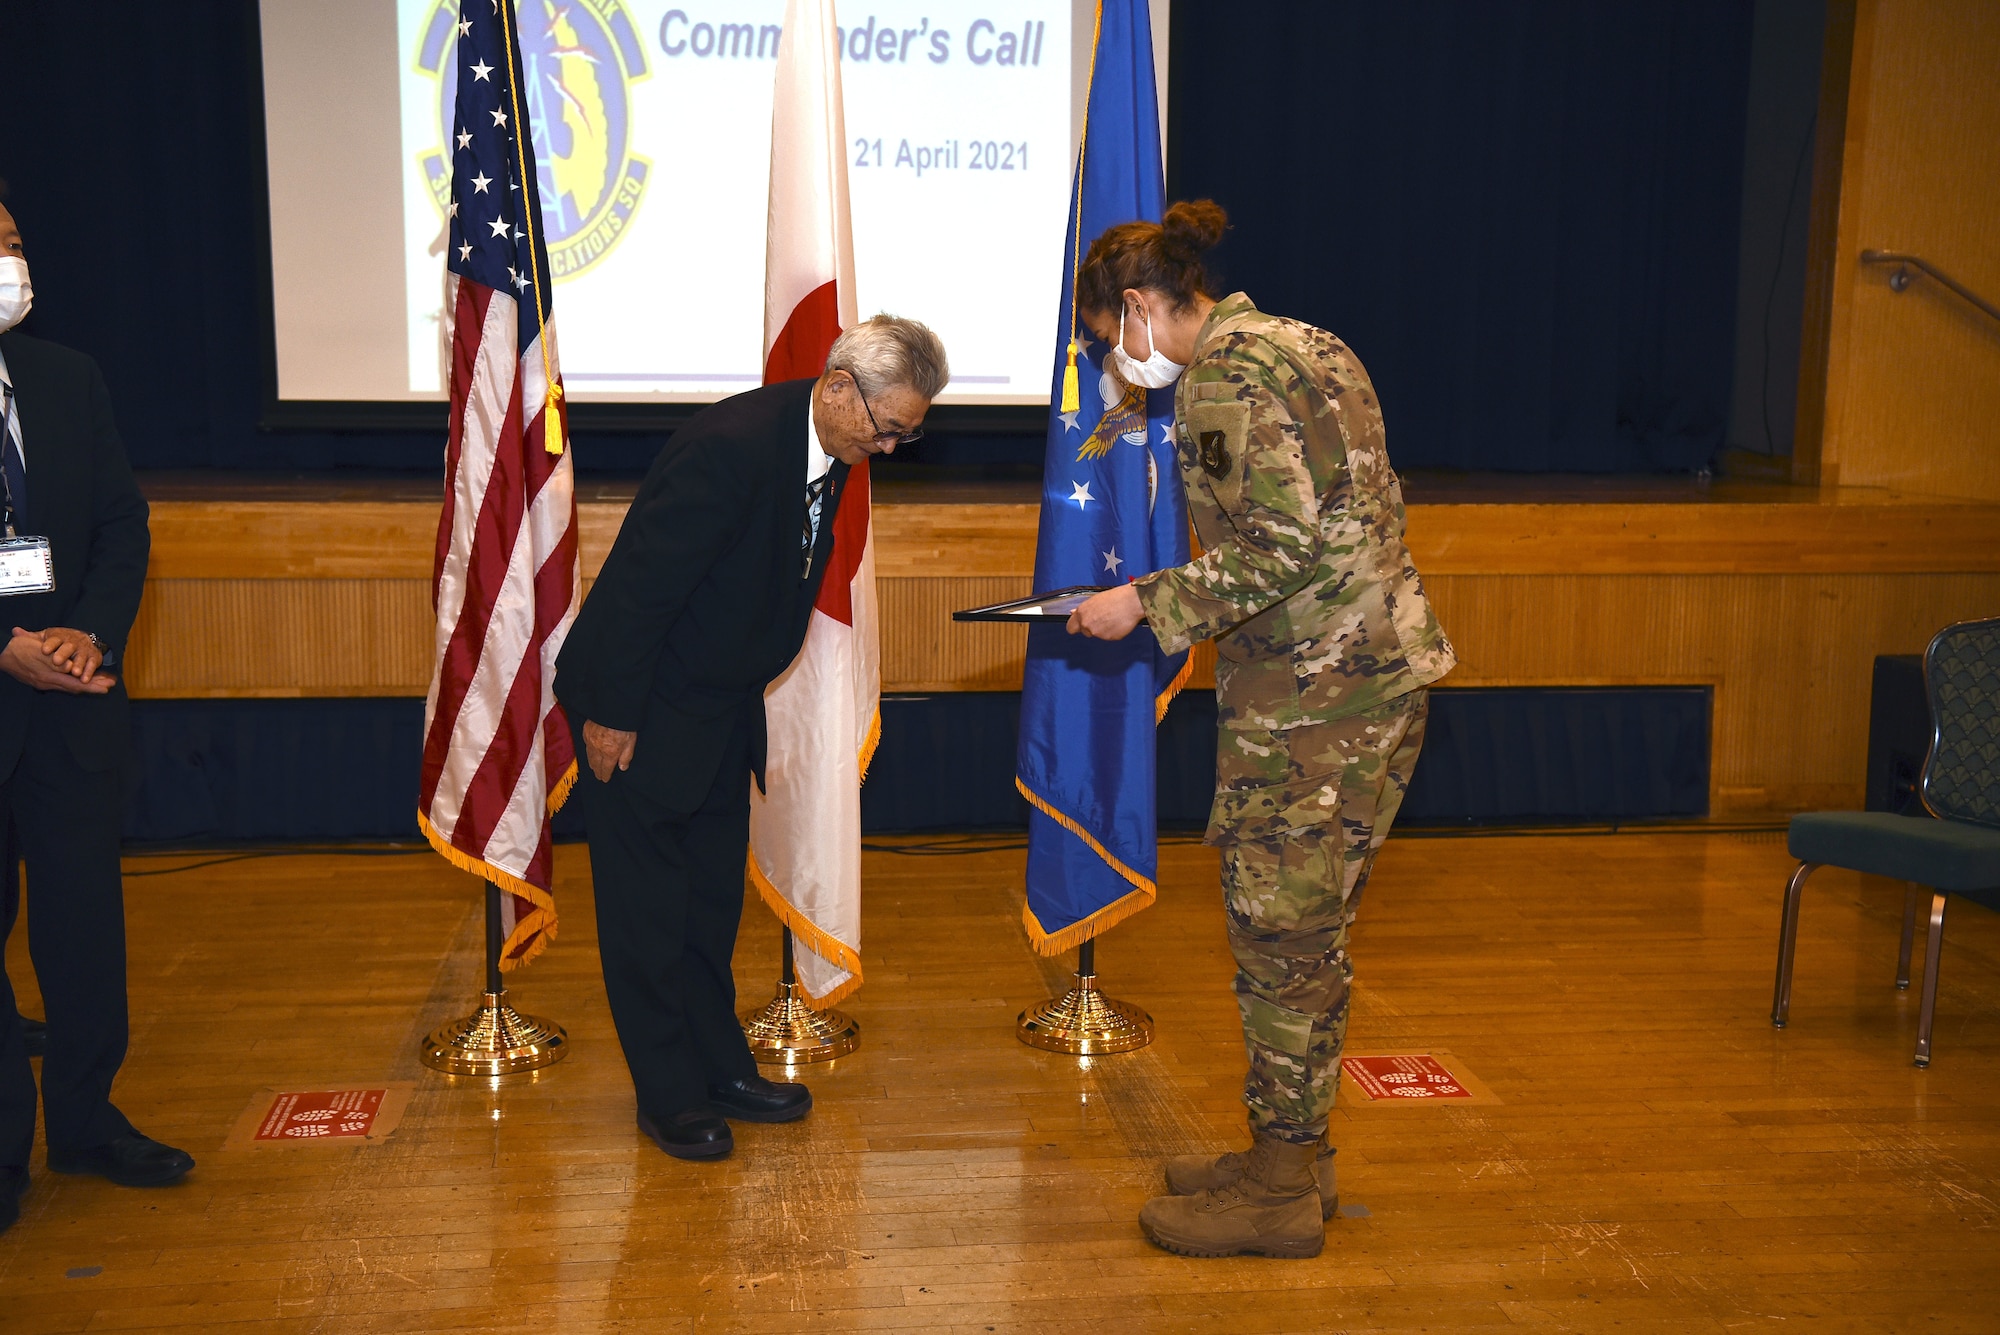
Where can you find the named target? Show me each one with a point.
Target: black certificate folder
(1042, 607)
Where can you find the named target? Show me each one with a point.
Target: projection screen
(961, 116)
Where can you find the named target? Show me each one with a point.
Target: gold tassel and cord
(554, 410)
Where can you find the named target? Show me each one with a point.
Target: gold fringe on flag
(1069, 938)
(538, 928)
(805, 929)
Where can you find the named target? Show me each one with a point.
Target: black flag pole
(496, 1039)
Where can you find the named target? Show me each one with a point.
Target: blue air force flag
(1112, 509)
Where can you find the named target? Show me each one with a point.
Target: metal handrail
(1902, 278)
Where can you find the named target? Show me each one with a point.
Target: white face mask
(1156, 372)
(17, 294)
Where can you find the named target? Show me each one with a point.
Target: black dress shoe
(13, 1181)
(35, 1034)
(694, 1134)
(755, 1099)
(131, 1161)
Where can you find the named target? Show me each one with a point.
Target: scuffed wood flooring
(1660, 1159)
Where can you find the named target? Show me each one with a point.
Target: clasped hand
(56, 659)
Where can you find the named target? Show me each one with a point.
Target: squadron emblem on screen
(579, 61)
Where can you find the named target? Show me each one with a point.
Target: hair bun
(1192, 227)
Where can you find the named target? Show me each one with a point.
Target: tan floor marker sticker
(366, 1114)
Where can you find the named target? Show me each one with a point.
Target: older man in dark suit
(64, 725)
(702, 603)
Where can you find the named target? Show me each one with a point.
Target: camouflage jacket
(1304, 579)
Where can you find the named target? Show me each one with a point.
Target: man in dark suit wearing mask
(701, 604)
(64, 728)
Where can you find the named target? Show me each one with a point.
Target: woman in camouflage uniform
(1325, 644)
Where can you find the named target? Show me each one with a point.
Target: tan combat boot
(1188, 1174)
(1271, 1209)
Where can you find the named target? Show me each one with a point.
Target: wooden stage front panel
(1777, 597)
(1657, 1161)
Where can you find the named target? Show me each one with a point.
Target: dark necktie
(815, 492)
(13, 468)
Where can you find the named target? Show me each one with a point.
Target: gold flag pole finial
(554, 409)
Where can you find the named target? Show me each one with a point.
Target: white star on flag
(1069, 420)
(1166, 433)
(464, 251)
(465, 139)
(1082, 495)
(454, 208)
(464, 27)
(481, 181)
(499, 118)
(499, 226)
(1112, 561)
(481, 70)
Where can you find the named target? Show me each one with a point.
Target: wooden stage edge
(973, 531)
(1777, 597)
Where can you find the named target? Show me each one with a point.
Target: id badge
(26, 566)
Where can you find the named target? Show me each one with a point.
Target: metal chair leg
(1933, 948)
(1909, 937)
(1788, 940)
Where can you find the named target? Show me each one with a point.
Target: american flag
(497, 753)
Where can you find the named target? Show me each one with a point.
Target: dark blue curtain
(289, 770)
(133, 147)
(1521, 214)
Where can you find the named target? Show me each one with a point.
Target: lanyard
(8, 511)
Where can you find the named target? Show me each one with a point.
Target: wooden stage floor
(1659, 1159)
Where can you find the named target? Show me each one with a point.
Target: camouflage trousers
(1291, 896)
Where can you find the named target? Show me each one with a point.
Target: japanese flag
(824, 713)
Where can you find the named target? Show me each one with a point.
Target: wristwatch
(100, 646)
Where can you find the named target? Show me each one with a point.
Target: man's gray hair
(885, 351)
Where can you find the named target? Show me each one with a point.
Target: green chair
(1956, 852)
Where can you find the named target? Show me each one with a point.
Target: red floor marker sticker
(1412, 1076)
(319, 1113)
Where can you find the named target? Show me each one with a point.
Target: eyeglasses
(886, 437)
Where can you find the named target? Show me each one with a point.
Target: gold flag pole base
(790, 1032)
(1083, 1022)
(496, 1039)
